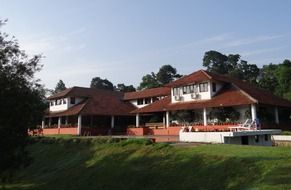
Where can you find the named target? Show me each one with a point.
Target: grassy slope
(79, 164)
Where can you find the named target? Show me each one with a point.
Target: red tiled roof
(152, 92)
(197, 76)
(260, 95)
(229, 96)
(97, 102)
(74, 110)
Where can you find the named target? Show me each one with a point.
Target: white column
(254, 111)
(79, 124)
(167, 119)
(164, 120)
(276, 115)
(50, 121)
(204, 117)
(42, 124)
(137, 120)
(112, 122)
(59, 122)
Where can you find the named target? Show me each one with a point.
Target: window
(147, 100)
(73, 100)
(185, 90)
(140, 102)
(52, 103)
(213, 87)
(155, 99)
(176, 91)
(64, 101)
(266, 137)
(191, 88)
(203, 87)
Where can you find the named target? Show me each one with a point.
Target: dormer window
(203, 87)
(73, 100)
(147, 100)
(176, 91)
(140, 102)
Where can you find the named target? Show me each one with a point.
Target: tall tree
(99, 83)
(166, 74)
(149, 81)
(277, 78)
(60, 87)
(22, 100)
(231, 65)
(123, 88)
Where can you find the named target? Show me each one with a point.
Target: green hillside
(73, 164)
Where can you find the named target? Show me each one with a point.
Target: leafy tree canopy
(21, 97)
(166, 74)
(277, 78)
(123, 88)
(99, 83)
(60, 87)
(230, 65)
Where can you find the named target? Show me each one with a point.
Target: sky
(123, 40)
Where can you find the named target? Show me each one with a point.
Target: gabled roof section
(61, 94)
(74, 110)
(228, 96)
(152, 92)
(261, 96)
(197, 76)
(97, 102)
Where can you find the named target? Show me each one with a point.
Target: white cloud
(252, 40)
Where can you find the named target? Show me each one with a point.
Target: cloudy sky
(122, 40)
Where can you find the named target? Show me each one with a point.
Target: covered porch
(209, 119)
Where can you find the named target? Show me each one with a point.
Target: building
(205, 94)
(87, 111)
(204, 100)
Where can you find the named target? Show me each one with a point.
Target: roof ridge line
(204, 72)
(245, 93)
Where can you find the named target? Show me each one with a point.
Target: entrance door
(244, 140)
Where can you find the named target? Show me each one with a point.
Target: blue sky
(122, 40)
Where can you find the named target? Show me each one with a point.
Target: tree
(277, 78)
(149, 81)
(123, 88)
(99, 83)
(215, 62)
(231, 65)
(60, 87)
(22, 100)
(166, 74)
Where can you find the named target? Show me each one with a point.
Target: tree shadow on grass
(136, 166)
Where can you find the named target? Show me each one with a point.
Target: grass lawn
(73, 164)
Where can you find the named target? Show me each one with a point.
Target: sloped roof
(152, 92)
(97, 102)
(197, 76)
(74, 110)
(228, 96)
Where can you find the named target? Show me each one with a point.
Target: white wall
(227, 137)
(63, 107)
(134, 102)
(187, 97)
(60, 107)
